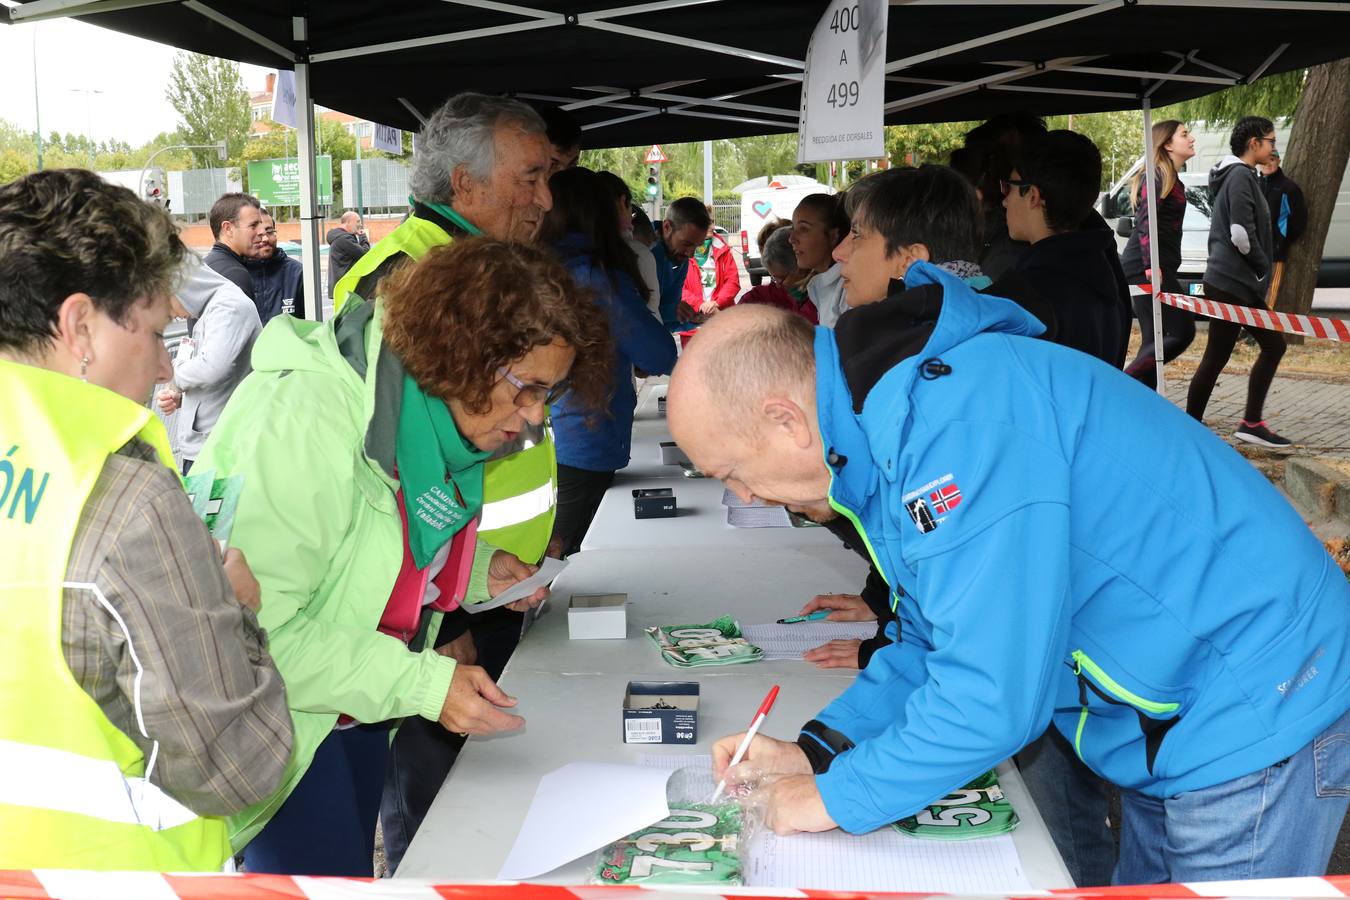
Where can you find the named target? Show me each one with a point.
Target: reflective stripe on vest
(529, 476)
(518, 509)
(61, 781)
(75, 791)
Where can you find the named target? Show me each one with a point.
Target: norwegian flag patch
(930, 503)
(945, 499)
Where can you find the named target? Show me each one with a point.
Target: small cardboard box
(597, 616)
(660, 712)
(672, 455)
(662, 506)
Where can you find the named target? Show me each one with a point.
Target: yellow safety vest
(413, 237)
(75, 792)
(520, 497)
(519, 491)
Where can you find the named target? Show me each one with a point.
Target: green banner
(276, 182)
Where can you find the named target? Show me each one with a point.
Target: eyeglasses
(1271, 139)
(534, 394)
(1007, 184)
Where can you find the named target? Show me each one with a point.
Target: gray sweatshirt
(210, 366)
(1240, 241)
(826, 291)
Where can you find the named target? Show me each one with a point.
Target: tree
(1319, 145)
(212, 105)
(913, 145)
(1118, 136)
(770, 154)
(1276, 97)
(13, 165)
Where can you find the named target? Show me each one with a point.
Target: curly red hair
(464, 310)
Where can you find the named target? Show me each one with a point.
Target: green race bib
(978, 810)
(719, 643)
(698, 844)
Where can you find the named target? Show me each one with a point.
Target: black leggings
(1223, 337)
(1178, 332)
(579, 494)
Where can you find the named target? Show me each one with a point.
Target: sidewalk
(1312, 411)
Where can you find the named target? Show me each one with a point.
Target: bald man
(347, 243)
(1064, 547)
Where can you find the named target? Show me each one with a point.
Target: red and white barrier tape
(1308, 326)
(77, 885)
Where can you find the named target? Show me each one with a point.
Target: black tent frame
(663, 70)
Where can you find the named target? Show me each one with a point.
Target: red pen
(760, 715)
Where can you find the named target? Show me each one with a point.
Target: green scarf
(441, 473)
(701, 254)
(450, 214)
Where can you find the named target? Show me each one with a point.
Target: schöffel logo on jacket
(918, 511)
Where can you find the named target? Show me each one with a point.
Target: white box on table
(597, 616)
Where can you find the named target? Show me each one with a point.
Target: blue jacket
(1072, 548)
(640, 340)
(278, 286)
(670, 278)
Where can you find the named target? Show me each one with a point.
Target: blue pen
(813, 617)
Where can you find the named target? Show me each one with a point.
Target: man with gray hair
(481, 168)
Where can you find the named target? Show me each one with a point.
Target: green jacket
(312, 432)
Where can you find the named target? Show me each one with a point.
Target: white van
(762, 205)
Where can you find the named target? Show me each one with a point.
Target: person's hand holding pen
(840, 608)
(793, 802)
(843, 653)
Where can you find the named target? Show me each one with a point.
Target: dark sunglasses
(1007, 184)
(534, 394)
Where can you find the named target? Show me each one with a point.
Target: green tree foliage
(212, 104)
(1119, 137)
(18, 152)
(913, 145)
(734, 160)
(13, 164)
(1275, 97)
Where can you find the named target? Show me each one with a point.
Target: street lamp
(218, 146)
(88, 118)
(37, 104)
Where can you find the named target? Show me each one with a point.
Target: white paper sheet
(882, 860)
(757, 514)
(549, 569)
(791, 641)
(568, 819)
(886, 860)
(758, 517)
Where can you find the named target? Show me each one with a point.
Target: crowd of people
(1090, 606)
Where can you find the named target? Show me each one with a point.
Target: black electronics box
(657, 503)
(660, 712)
